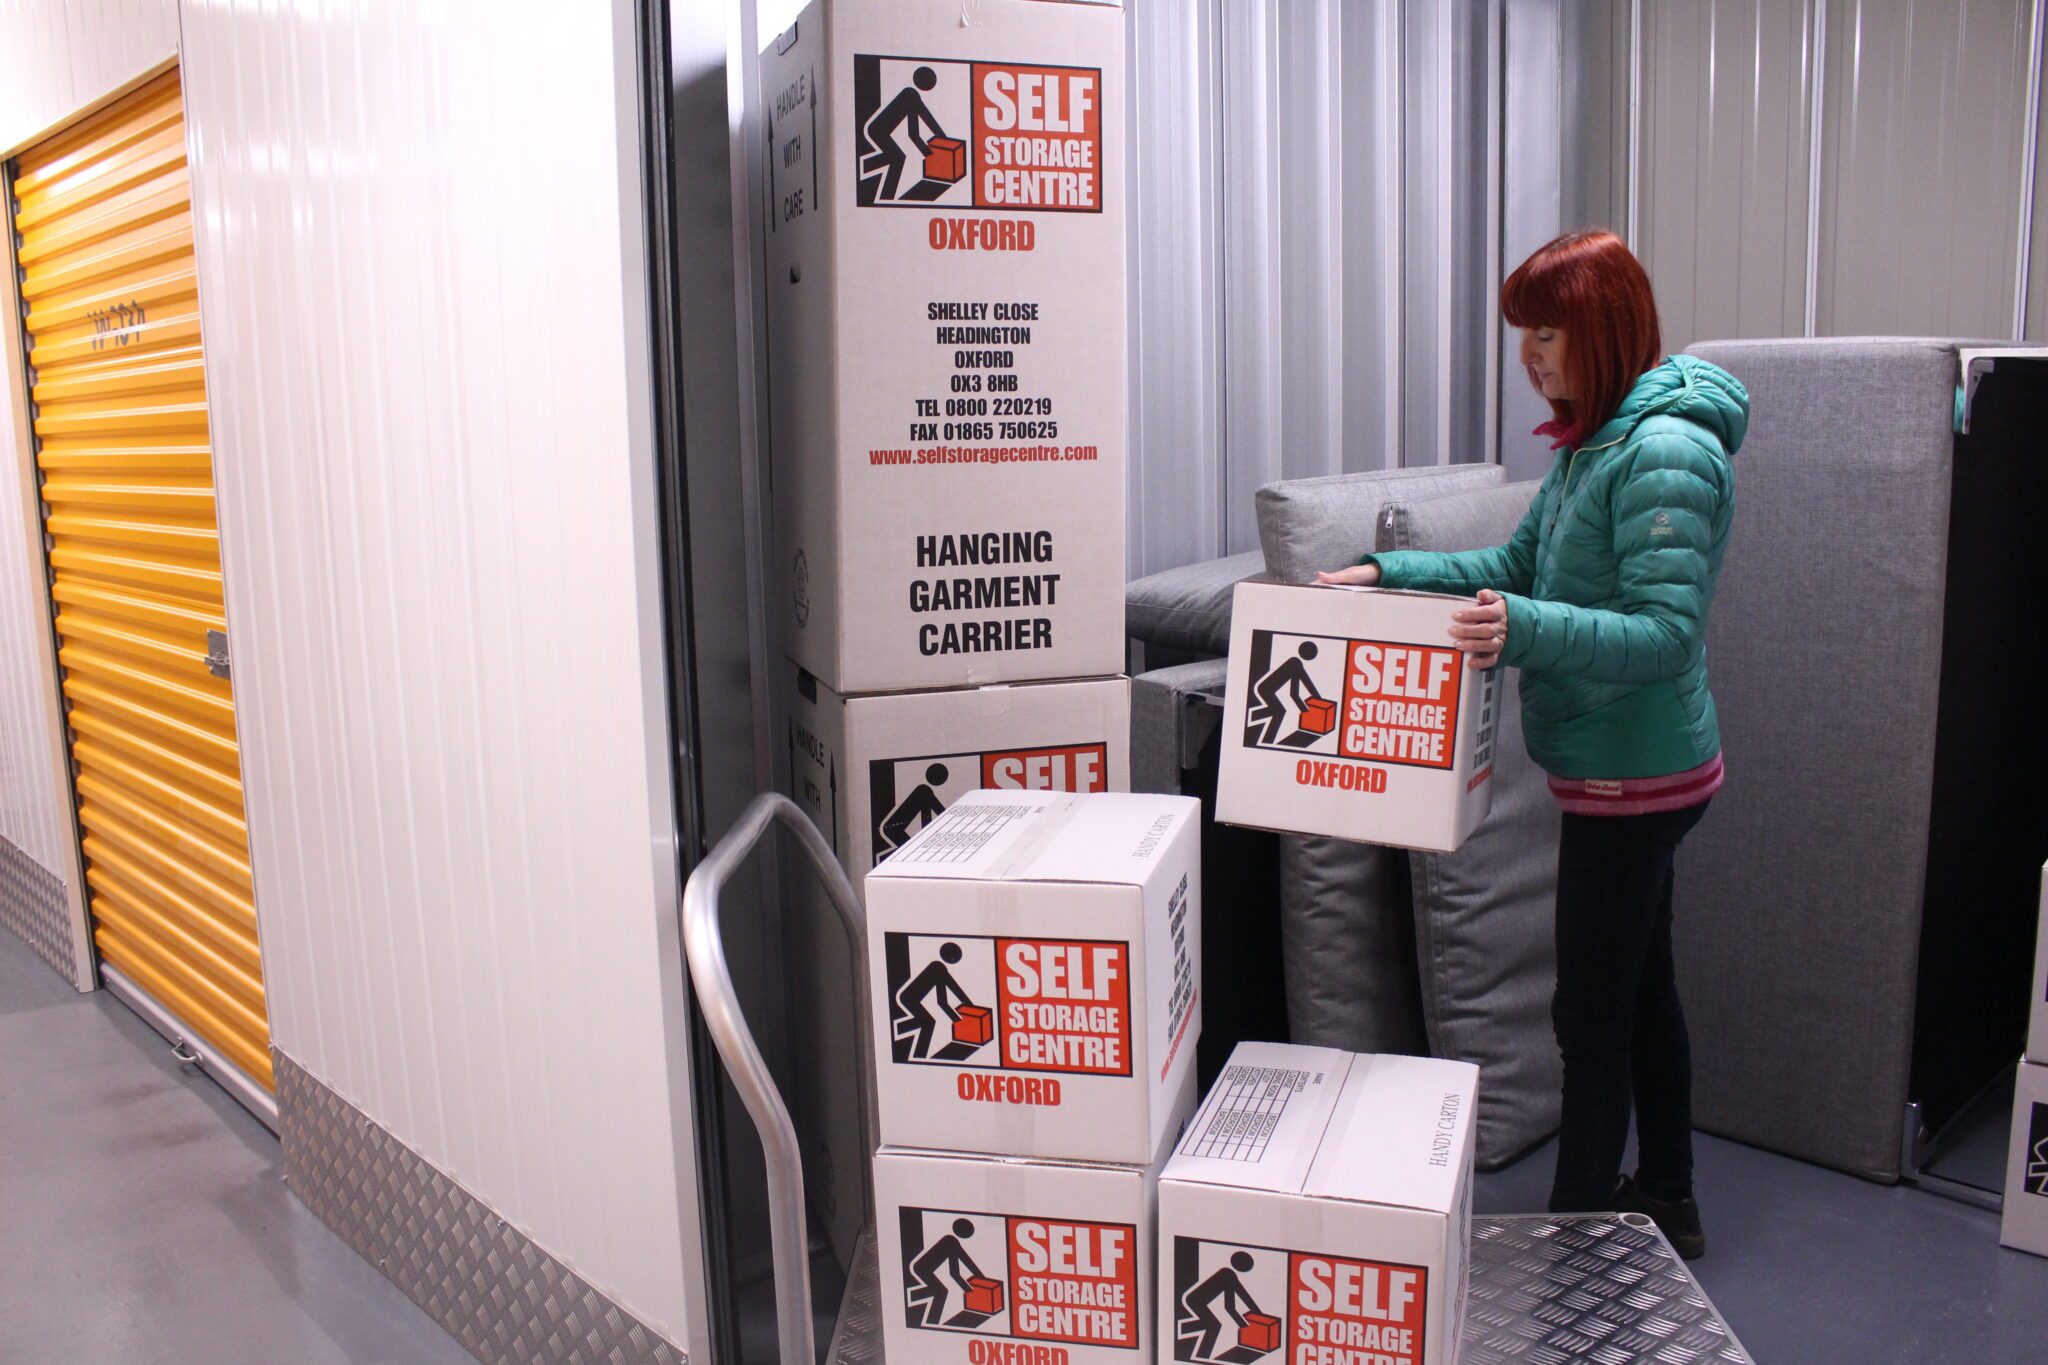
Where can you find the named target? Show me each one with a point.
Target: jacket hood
(1687, 388)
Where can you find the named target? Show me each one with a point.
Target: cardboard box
(947, 159)
(1077, 921)
(947, 356)
(1002, 1259)
(2037, 1018)
(1409, 757)
(2024, 1223)
(872, 771)
(1330, 1191)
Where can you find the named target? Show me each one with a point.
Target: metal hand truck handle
(704, 945)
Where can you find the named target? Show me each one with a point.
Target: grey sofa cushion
(1485, 942)
(1168, 726)
(1308, 525)
(1466, 521)
(1189, 607)
(1347, 941)
(1799, 896)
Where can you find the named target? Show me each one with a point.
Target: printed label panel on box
(1234, 1304)
(906, 794)
(1364, 699)
(1024, 1278)
(1056, 1005)
(1032, 135)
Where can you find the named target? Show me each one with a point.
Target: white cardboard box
(946, 340)
(1318, 1211)
(1349, 713)
(1033, 964)
(2024, 1224)
(871, 771)
(998, 1259)
(2037, 1018)
(874, 770)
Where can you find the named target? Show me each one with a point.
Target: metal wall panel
(1922, 136)
(422, 262)
(1724, 157)
(103, 228)
(1176, 437)
(54, 62)
(2035, 305)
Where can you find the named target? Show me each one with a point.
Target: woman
(1600, 597)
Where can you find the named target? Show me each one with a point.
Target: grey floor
(144, 1216)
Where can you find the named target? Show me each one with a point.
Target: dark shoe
(1679, 1222)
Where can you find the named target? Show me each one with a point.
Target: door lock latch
(217, 653)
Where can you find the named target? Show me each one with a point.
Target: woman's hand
(1357, 576)
(1482, 631)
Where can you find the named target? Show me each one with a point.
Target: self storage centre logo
(931, 132)
(1361, 699)
(1235, 1304)
(906, 794)
(1027, 1278)
(1009, 1004)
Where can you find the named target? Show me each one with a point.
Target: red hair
(1591, 285)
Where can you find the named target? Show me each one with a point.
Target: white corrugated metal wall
(105, 45)
(422, 274)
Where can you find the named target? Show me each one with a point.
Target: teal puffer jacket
(1609, 579)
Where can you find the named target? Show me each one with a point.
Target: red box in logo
(1261, 1332)
(1319, 716)
(975, 1025)
(947, 159)
(983, 1296)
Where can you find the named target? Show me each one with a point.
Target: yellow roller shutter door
(103, 219)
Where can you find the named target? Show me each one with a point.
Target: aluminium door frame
(88, 971)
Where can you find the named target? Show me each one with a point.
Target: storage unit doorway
(102, 222)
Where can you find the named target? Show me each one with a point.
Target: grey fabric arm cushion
(1799, 897)
(1163, 743)
(1308, 525)
(1485, 943)
(1189, 607)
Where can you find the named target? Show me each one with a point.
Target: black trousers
(1619, 1023)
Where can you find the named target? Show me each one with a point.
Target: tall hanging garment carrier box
(1318, 1212)
(989, 1260)
(1349, 713)
(1033, 960)
(946, 340)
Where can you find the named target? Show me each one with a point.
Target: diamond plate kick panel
(506, 1300)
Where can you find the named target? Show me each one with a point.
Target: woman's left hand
(1482, 631)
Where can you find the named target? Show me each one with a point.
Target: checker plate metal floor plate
(1552, 1291)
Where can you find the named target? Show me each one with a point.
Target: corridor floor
(144, 1215)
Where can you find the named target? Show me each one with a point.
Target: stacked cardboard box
(2025, 1224)
(1033, 960)
(947, 387)
(1350, 714)
(1319, 1210)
